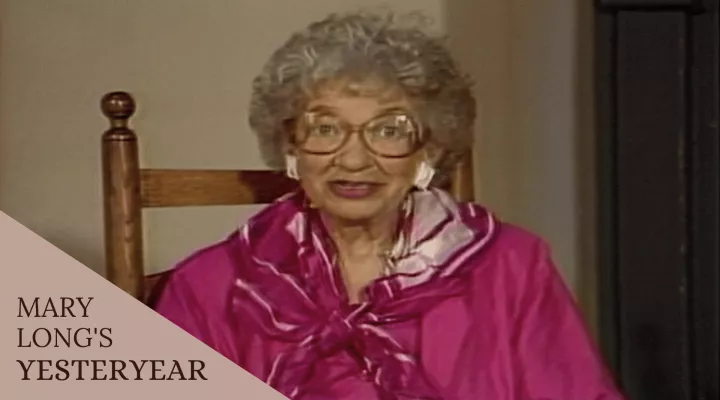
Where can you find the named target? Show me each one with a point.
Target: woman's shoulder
(511, 249)
(519, 240)
(506, 236)
(204, 259)
(206, 273)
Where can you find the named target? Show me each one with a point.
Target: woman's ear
(288, 148)
(286, 143)
(433, 153)
(291, 168)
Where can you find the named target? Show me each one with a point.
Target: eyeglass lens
(390, 135)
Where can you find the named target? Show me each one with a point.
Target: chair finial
(118, 107)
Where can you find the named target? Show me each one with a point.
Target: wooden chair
(128, 189)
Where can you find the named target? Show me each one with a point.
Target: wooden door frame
(657, 86)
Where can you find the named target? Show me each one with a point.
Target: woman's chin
(354, 210)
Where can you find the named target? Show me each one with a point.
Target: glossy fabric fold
(469, 309)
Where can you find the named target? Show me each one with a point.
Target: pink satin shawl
(469, 308)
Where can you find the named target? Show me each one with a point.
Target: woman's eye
(389, 131)
(324, 130)
(392, 132)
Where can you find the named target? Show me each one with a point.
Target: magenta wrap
(469, 308)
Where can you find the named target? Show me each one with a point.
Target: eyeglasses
(393, 134)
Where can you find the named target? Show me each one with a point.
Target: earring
(424, 176)
(291, 167)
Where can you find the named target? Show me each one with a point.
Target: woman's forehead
(360, 103)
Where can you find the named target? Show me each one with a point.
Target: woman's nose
(354, 156)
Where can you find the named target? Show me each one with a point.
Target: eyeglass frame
(422, 132)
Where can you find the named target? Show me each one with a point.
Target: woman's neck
(362, 237)
(360, 245)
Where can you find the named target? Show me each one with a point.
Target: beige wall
(190, 66)
(534, 154)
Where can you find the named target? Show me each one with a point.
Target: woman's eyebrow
(392, 109)
(322, 107)
(379, 113)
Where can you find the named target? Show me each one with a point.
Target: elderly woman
(369, 282)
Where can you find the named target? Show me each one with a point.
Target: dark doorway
(658, 109)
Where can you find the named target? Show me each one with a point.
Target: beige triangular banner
(118, 334)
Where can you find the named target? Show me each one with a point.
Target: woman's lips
(353, 189)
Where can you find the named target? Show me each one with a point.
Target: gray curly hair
(357, 46)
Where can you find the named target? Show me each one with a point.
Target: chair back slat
(181, 188)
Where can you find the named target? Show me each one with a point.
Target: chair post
(122, 197)
(462, 182)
